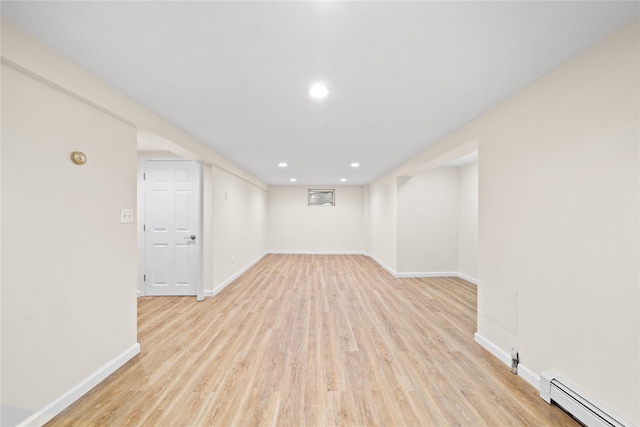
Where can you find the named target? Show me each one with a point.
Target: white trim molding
(221, 286)
(383, 265)
(468, 278)
(429, 274)
(527, 374)
(504, 357)
(317, 252)
(61, 403)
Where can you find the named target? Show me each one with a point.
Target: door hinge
(144, 277)
(144, 227)
(144, 176)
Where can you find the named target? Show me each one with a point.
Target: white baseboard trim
(221, 286)
(527, 374)
(316, 252)
(429, 274)
(61, 403)
(383, 265)
(424, 273)
(468, 278)
(493, 349)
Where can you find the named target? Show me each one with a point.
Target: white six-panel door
(172, 218)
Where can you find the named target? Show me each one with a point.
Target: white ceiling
(401, 75)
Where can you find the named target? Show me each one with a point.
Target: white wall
(468, 221)
(296, 227)
(428, 222)
(238, 226)
(69, 278)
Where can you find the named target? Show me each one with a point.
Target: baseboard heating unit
(578, 404)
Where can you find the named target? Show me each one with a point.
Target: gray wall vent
(322, 198)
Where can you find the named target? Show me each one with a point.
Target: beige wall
(559, 221)
(428, 222)
(382, 221)
(296, 227)
(74, 325)
(30, 54)
(238, 226)
(69, 280)
(468, 220)
(437, 220)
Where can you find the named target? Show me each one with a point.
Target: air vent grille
(322, 198)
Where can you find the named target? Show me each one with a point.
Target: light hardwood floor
(314, 340)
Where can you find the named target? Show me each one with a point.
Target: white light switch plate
(126, 216)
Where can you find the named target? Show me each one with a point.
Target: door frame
(141, 220)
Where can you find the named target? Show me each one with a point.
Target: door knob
(192, 237)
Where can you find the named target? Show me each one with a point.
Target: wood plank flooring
(314, 340)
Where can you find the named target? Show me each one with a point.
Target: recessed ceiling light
(343, 179)
(282, 164)
(355, 164)
(318, 91)
(292, 180)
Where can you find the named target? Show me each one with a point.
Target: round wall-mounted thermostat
(79, 158)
